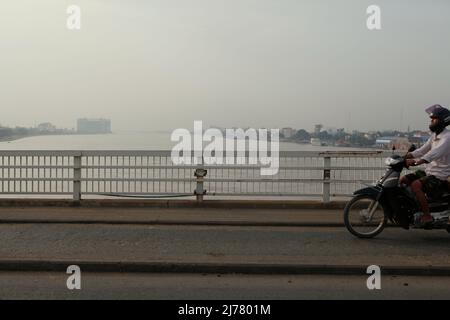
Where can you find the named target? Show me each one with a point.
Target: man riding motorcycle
(435, 153)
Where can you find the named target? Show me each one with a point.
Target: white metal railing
(152, 173)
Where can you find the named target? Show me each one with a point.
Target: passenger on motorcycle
(435, 153)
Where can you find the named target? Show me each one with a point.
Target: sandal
(424, 221)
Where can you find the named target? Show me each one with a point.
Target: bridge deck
(270, 238)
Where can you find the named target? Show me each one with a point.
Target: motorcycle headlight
(392, 161)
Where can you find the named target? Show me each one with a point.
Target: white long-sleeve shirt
(436, 151)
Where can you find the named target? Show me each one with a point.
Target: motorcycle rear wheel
(358, 220)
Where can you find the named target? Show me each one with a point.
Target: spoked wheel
(364, 217)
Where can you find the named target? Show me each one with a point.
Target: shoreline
(334, 146)
(18, 137)
(6, 140)
(13, 138)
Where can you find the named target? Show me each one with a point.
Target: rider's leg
(404, 181)
(408, 179)
(416, 187)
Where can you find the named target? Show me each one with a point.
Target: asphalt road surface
(44, 285)
(142, 239)
(306, 245)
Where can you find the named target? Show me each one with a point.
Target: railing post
(326, 179)
(77, 177)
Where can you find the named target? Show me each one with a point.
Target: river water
(125, 140)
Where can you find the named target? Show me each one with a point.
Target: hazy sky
(161, 64)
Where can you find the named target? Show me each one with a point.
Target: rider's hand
(410, 162)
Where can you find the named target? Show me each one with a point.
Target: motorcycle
(369, 211)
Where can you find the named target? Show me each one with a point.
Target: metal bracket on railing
(199, 191)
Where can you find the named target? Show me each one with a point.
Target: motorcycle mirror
(412, 148)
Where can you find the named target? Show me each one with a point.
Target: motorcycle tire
(349, 225)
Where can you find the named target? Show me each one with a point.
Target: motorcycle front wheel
(364, 217)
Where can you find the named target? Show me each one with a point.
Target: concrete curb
(217, 268)
(178, 222)
(159, 203)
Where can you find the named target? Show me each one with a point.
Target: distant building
(91, 126)
(317, 128)
(369, 136)
(399, 143)
(384, 142)
(420, 138)
(46, 127)
(316, 142)
(288, 132)
(341, 143)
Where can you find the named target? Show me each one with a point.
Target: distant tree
(21, 131)
(302, 135)
(6, 132)
(340, 134)
(359, 139)
(323, 135)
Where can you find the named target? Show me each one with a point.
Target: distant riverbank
(12, 138)
(325, 145)
(18, 137)
(124, 140)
